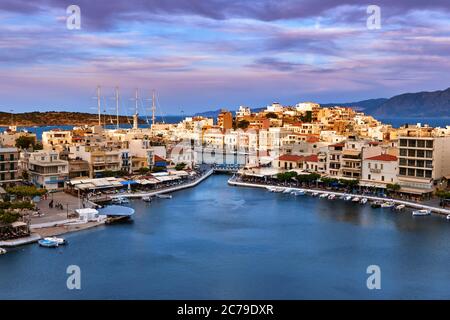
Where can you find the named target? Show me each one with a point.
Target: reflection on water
(220, 242)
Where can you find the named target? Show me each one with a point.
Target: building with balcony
(379, 171)
(424, 158)
(9, 166)
(47, 170)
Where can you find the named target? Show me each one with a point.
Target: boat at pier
(388, 205)
(120, 200)
(59, 241)
(164, 196)
(48, 243)
(315, 194)
(400, 207)
(376, 204)
(331, 197)
(147, 199)
(298, 193)
(2, 251)
(356, 199)
(423, 212)
(324, 195)
(363, 201)
(348, 198)
(448, 217)
(116, 213)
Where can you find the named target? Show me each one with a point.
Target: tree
(26, 191)
(271, 115)
(180, 166)
(243, 124)
(8, 217)
(25, 142)
(158, 169)
(144, 170)
(443, 194)
(393, 187)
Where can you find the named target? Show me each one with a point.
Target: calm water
(222, 242)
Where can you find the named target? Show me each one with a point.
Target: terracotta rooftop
(311, 158)
(290, 157)
(383, 157)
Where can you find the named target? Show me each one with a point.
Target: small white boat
(423, 212)
(363, 201)
(59, 241)
(324, 195)
(331, 197)
(348, 198)
(388, 205)
(287, 190)
(121, 200)
(2, 251)
(48, 243)
(400, 207)
(164, 196)
(315, 194)
(147, 199)
(448, 217)
(298, 193)
(356, 199)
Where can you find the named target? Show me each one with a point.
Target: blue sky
(204, 55)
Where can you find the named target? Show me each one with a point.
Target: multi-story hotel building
(9, 169)
(424, 158)
(47, 170)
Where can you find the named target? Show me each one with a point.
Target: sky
(202, 55)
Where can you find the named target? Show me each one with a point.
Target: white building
(379, 171)
(47, 170)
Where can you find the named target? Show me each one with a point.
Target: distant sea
(395, 122)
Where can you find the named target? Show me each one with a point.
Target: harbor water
(216, 241)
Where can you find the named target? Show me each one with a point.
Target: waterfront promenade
(165, 190)
(233, 182)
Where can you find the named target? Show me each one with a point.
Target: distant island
(62, 118)
(410, 105)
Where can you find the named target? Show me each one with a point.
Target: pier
(409, 204)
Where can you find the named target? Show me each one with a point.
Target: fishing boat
(356, 199)
(48, 243)
(423, 212)
(331, 197)
(147, 199)
(298, 193)
(59, 241)
(400, 207)
(324, 195)
(388, 205)
(376, 204)
(164, 196)
(348, 198)
(363, 201)
(2, 251)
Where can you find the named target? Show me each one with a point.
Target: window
(428, 173)
(420, 154)
(421, 144)
(411, 153)
(403, 171)
(411, 172)
(412, 143)
(369, 177)
(429, 154)
(382, 178)
(403, 152)
(381, 166)
(11, 157)
(369, 165)
(430, 144)
(420, 173)
(403, 142)
(12, 176)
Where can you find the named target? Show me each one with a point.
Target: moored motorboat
(363, 201)
(324, 195)
(298, 193)
(400, 207)
(356, 199)
(315, 194)
(376, 204)
(388, 205)
(331, 197)
(48, 243)
(120, 200)
(164, 196)
(147, 199)
(423, 212)
(59, 241)
(448, 217)
(287, 190)
(2, 251)
(348, 198)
